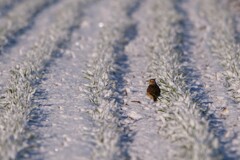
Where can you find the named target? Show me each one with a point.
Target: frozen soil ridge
(73, 85)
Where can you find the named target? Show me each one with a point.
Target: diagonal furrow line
(221, 107)
(121, 63)
(234, 7)
(7, 5)
(17, 53)
(19, 20)
(126, 137)
(223, 47)
(180, 117)
(17, 102)
(36, 115)
(194, 81)
(132, 9)
(105, 88)
(231, 61)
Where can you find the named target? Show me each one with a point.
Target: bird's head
(151, 81)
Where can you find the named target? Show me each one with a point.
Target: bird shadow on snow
(196, 87)
(38, 115)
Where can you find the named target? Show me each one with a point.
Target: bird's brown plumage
(153, 90)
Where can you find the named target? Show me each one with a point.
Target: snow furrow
(17, 102)
(106, 83)
(7, 5)
(177, 120)
(17, 53)
(19, 20)
(202, 77)
(234, 7)
(141, 121)
(74, 79)
(57, 122)
(220, 41)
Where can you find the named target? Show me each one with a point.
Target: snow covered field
(73, 79)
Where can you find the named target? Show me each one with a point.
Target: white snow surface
(89, 98)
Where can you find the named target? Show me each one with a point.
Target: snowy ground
(73, 79)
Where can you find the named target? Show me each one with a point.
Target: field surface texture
(74, 78)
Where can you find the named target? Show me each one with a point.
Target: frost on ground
(73, 79)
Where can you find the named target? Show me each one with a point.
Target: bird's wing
(153, 90)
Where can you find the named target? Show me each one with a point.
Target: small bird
(153, 90)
